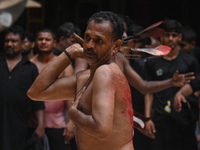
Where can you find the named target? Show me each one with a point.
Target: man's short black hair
(66, 30)
(15, 30)
(171, 25)
(45, 30)
(115, 20)
(133, 29)
(30, 36)
(188, 34)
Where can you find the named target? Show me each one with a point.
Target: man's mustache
(8, 47)
(90, 50)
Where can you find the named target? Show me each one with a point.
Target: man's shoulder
(109, 68)
(184, 54)
(187, 57)
(109, 71)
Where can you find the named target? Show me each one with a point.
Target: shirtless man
(56, 128)
(102, 112)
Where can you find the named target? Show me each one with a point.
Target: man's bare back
(118, 127)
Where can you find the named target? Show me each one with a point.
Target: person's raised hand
(179, 80)
(75, 51)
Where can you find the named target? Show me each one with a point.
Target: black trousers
(57, 140)
(172, 135)
(141, 141)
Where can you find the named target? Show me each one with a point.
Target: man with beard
(56, 129)
(172, 130)
(17, 74)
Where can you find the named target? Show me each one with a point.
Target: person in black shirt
(17, 74)
(172, 130)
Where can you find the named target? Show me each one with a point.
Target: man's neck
(172, 55)
(30, 54)
(45, 57)
(16, 57)
(13, 60)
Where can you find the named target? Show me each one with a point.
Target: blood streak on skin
(126, 94)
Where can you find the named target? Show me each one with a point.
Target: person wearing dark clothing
(17, 74)
(173, 130)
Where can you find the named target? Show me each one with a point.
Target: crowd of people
(58, 94)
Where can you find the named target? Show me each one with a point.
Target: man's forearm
(87, 124)
(156, 86)
(145, 86)
(148, 103)
(39, 114)
(186, 90)
(48, 75)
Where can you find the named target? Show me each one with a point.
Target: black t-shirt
(195, 84)
(15, 106)
(158, 69)
(137, 97)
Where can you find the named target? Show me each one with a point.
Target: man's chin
(9, 53)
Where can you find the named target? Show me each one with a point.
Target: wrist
(68, 55)
(40, 126)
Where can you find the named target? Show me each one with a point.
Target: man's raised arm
(144, 87)
(48, 86)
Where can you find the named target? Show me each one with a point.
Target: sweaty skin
(102, 111)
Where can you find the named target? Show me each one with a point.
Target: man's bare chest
(84, 92)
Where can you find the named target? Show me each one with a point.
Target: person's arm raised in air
(100, 123)
(144, 87)
(48, 86)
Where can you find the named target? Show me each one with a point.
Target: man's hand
(179, 80)
(69, 132)
(40, 132)
(74, 105)
(78, 97)
(75, 51)
(149, 129)
(178, 99)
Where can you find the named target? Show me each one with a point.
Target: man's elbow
(102, 134)
(32, 95)
(143, 89)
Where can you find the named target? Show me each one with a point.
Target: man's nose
(44, 40)
(10, 43)
(90, 44)
(170, 37)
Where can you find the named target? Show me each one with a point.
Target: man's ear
(54, 43)
(117, 46)
(32, 44)
(180, 37)
(193, 43)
